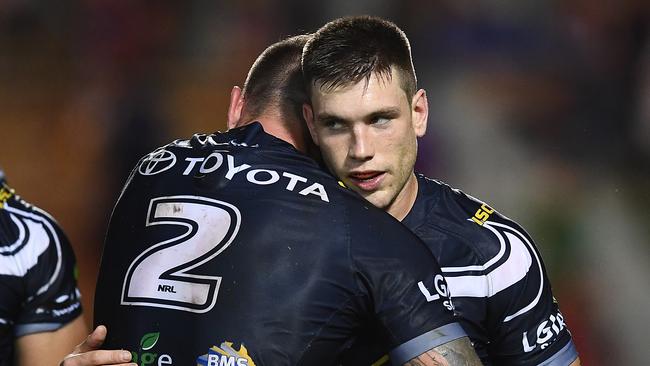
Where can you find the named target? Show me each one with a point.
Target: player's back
(234, 249)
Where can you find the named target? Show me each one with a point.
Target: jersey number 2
(160, 276)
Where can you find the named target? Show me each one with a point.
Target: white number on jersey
(159, 276)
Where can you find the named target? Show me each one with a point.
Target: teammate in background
(366, 115)
(40, 310)
(235, 248)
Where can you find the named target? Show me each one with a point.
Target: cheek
(406, 152)
(333, 154)
(399, 142)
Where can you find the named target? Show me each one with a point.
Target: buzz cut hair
(348, 50)
(275, 80)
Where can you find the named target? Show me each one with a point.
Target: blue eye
(381, 120)
(384, 116)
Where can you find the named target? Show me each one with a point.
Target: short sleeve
(38, 270)
(530, 329)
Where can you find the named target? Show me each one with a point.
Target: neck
(405, 199)
(289, 135)
(286, 129)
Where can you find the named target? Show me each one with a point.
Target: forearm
(455, 353)
(47, 348)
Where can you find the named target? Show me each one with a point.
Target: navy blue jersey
(235, 249)
(496, 277)
(38, 289)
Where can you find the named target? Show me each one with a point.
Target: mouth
(367, 180)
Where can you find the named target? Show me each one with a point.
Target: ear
(420, 112)
(235, 107)
(308, 115)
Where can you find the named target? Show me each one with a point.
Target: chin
(375, 198)
(377, 201)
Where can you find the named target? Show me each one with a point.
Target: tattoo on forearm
(455, 353)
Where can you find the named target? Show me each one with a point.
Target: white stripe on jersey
(483, 267)
(38, 228)
(18, 263)
(515, 268)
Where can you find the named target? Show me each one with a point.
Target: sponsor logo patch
(482, 214)
(157, 162)
(440, 285)
(261, 177)
(147, 355)
(225, 355)
(5, 194)
(545, 334)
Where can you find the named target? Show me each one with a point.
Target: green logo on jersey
(147, 342)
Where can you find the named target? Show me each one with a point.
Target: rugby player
(40, 309)
(366, 114)
(237, 249)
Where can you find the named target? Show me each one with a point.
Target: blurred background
(539, 108)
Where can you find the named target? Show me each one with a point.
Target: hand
(88, 353)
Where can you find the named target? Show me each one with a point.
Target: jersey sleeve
(407, 291)
(37, 270)
(530, 330)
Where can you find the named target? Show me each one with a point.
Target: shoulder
(441, 211)
(444, 200)
(36, 266)
(249, 169)
(487, 255)
(26, 233)
(477, 239)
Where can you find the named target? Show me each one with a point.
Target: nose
(361, 144)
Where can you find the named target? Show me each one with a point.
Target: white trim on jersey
(27, 257)
(511, 271)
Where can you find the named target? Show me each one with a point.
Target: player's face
(368, 138)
